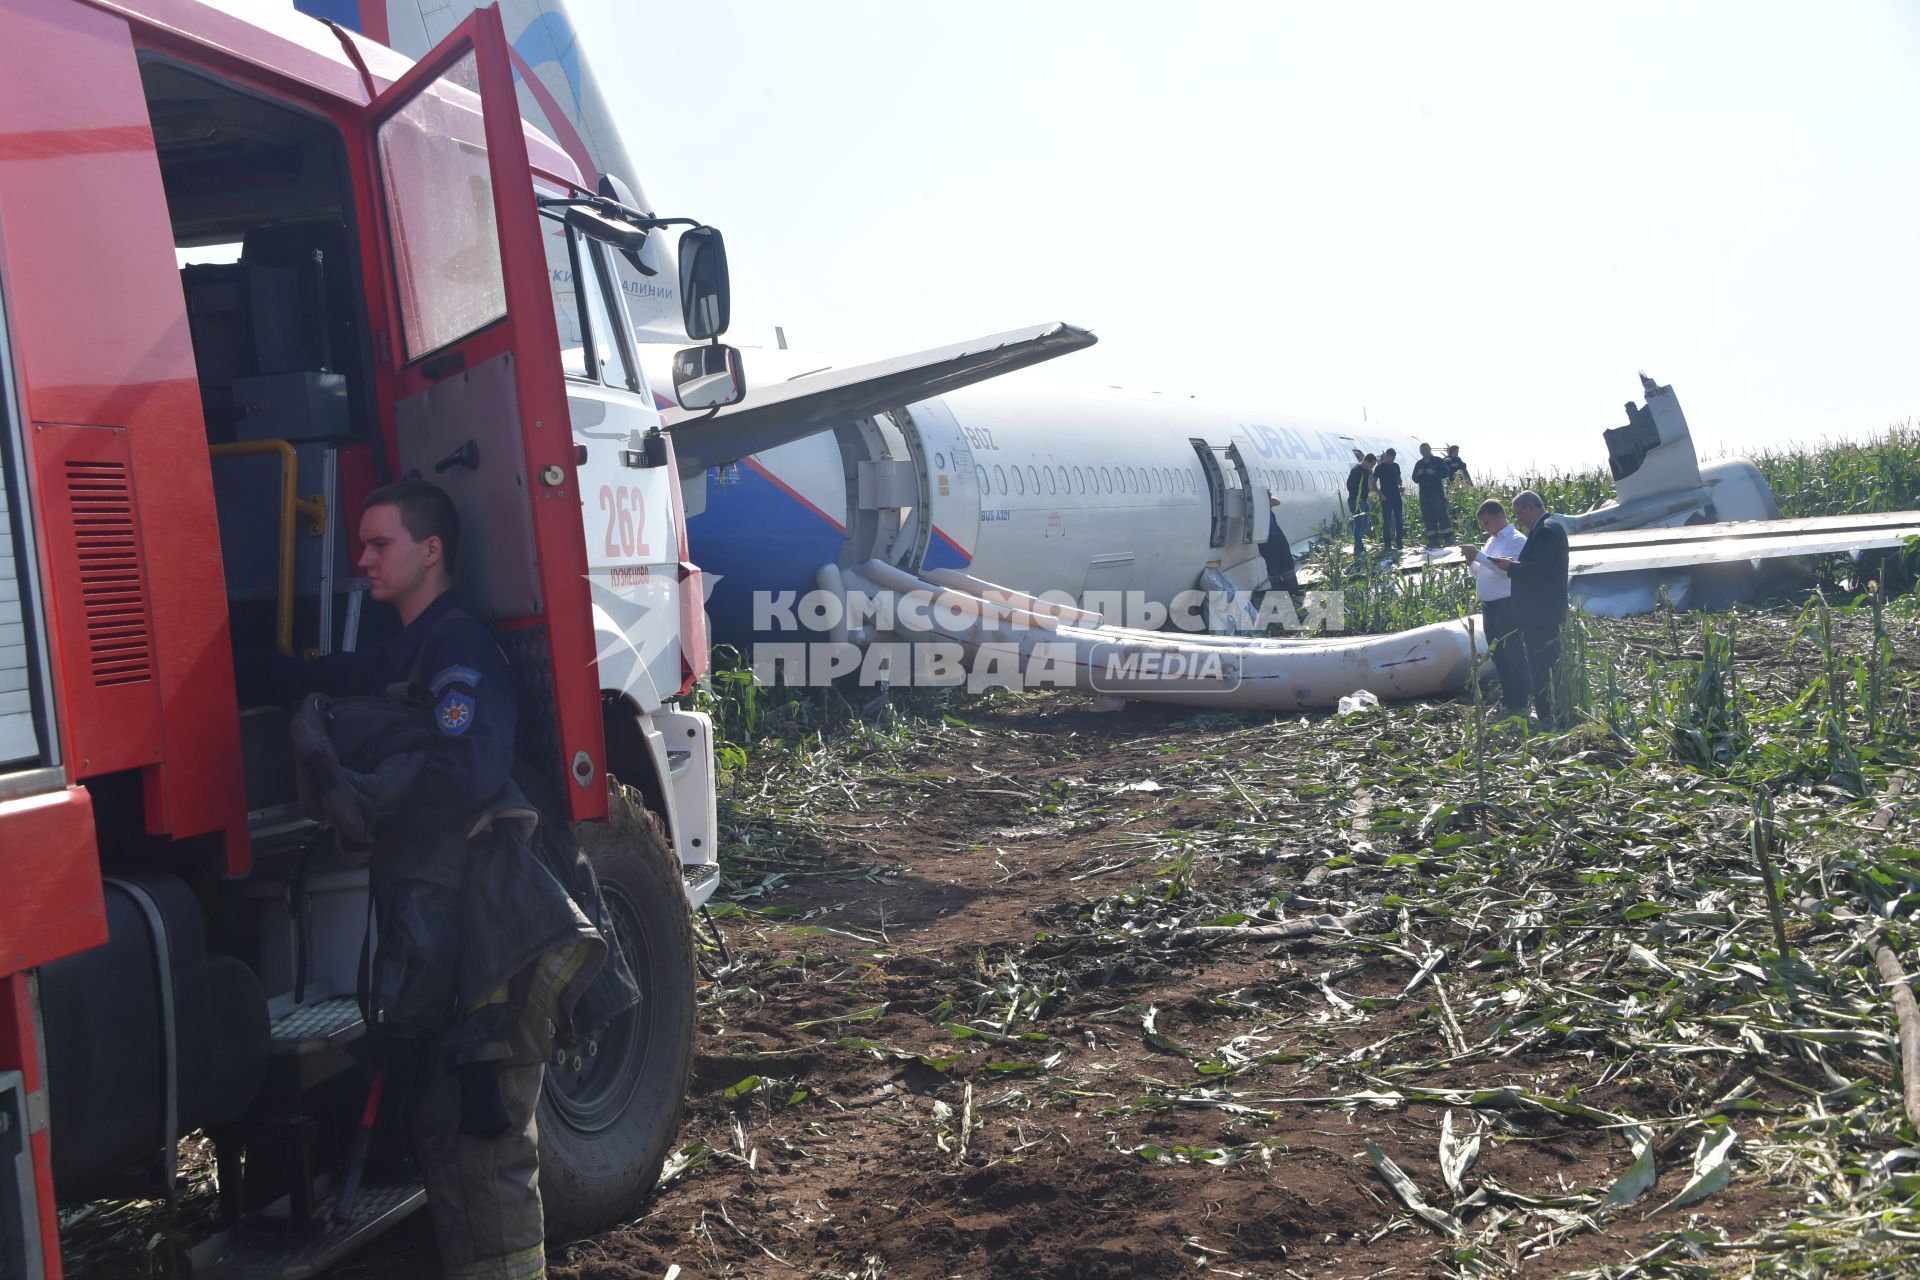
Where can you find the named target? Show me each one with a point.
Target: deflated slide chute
(1046, 643)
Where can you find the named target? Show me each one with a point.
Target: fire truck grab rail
(291, 505)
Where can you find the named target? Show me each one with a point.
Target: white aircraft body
(1036, 487)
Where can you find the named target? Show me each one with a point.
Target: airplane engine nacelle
(1739, 491)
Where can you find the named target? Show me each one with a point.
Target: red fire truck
(251, 267)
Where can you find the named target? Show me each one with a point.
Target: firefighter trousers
(484, 1193)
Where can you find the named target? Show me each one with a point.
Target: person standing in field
(1495, 589)
(1359, 486)
(1430, 477)
(1393, 516)
(1539, 576)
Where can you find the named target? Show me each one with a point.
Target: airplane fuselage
(1022, 483)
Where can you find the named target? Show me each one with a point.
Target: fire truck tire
(607, 1125)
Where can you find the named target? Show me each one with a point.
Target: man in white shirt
(1502, 627)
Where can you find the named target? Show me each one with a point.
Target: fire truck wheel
(607, 1124)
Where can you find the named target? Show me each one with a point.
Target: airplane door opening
(1239, 497)
(1216, 492)
(885, 476)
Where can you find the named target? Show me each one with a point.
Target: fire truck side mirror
(708, 377)
(704, 300)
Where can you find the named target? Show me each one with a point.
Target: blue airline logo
(550, 38)
(1284, 444)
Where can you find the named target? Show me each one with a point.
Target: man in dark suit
(1539, 576)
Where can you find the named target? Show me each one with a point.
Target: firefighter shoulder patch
(453, 675)
(453, 715)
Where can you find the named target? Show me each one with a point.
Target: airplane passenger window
(1062, 469)
(1019, 485)
(1033, 481)
(999, 478)
(1050, 484)
(1106, 480)
(980, 477)
(1079, 480)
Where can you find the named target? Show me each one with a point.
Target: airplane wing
(1730, 542)
(774, 415)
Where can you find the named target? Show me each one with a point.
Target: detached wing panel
(1730, 543)
(774, 415)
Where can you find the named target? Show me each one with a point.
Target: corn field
(1408, 992)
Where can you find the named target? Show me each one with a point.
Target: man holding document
(1495, 589)
(1539, 578)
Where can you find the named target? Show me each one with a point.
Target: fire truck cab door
(473, 376)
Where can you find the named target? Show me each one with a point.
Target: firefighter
(1430, 476)
(473, 1113)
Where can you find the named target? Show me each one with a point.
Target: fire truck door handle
(467, 455)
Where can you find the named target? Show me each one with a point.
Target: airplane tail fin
(1653, 453)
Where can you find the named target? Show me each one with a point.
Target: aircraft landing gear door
(473, 375)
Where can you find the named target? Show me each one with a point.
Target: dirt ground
(869, 1141)
(1034, 991)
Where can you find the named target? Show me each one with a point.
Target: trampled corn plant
(1705, 722)
(1842, 762)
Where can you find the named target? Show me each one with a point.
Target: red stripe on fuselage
(790, 491)
(959, 550)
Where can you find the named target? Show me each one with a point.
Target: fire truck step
(266, 1251)
(323, 1024)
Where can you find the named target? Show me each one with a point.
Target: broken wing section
(1745, 540)
(774, 415)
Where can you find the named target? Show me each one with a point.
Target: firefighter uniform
(473, 1126)
(462, 676)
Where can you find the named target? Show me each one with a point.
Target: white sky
(1474, 222)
